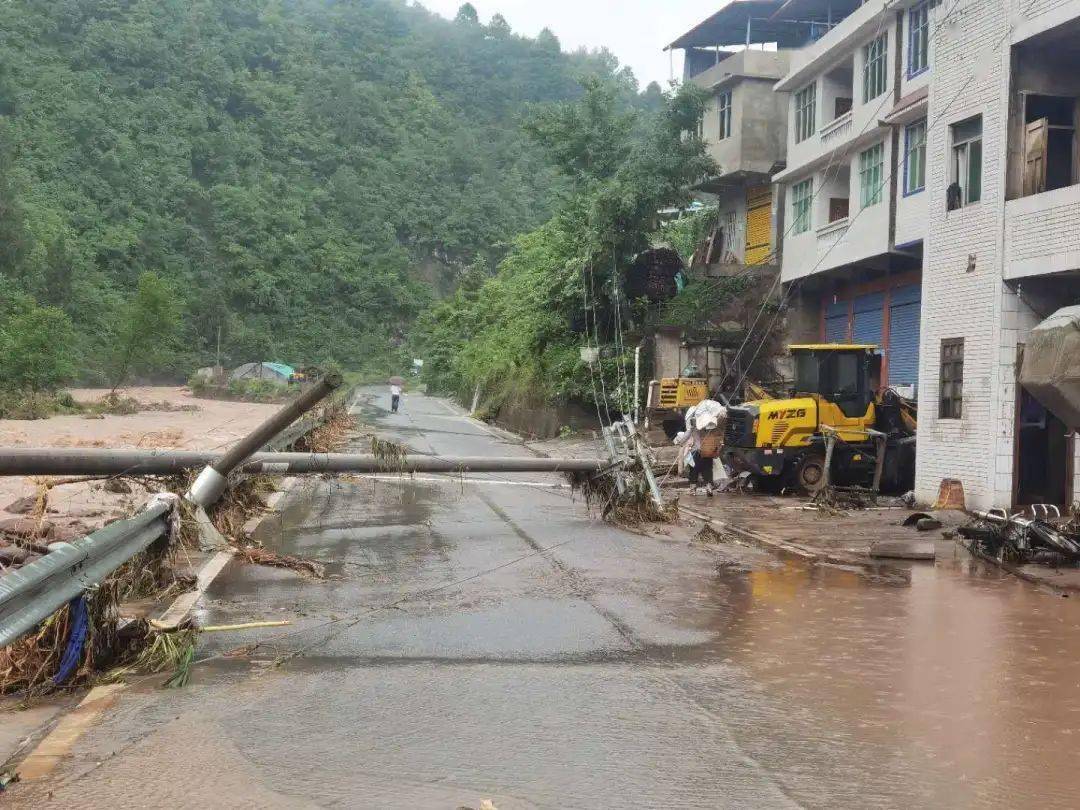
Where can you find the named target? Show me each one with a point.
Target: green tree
(467, 14)
(499, 27)
(519, 334)
(147, 331)
(36, 345)
(590, 138)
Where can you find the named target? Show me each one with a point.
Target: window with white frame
(915, 157)
(919, 38)
(805, 113)
(802, 196)
(875, 68)
(871, 170)
(724, 102)
(965, 167)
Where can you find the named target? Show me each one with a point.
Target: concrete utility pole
(212, 481)
(80, 461)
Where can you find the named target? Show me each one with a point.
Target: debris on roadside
(8, 778)
(235, 628)
(160, 652)
(261, 556)
(838, 500)
(391, 455)
(708, 534)
(630, 508)
(1017, 539)
(332, 433)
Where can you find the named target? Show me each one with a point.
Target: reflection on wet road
(491, 641)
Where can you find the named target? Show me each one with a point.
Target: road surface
(493, 641)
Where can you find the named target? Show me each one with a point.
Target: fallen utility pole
(213, 480)
(92, 461)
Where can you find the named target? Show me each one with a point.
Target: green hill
(304, 173)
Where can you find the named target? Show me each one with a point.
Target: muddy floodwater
(490, 640)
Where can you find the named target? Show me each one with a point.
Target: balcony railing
(838, 129)
(830, 235)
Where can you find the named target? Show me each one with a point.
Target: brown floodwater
(965, 682)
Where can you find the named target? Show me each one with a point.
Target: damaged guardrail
(31, 594)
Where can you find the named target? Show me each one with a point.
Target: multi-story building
(855, 182)
(738, 54)
(1003, 246)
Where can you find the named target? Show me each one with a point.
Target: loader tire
(810, 474)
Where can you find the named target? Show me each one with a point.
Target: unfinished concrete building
(738, 54)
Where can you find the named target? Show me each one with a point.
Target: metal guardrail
(31, 594)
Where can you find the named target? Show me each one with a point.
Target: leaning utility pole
(213, 480)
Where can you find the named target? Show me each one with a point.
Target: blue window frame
(915, 158)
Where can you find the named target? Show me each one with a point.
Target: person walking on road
(396, 389)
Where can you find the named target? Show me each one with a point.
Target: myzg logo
(793, 413)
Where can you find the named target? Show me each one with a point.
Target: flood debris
(709, 534)
(234, 628)
(391, 455)
(333, 430)
(836, 501)
(629, 505)
(261, 556)
(161, 652)
(1017, 539)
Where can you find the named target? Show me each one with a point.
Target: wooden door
(1036, 144)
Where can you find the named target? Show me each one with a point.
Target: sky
(636, 31)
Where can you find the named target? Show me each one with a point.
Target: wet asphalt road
(492, 641)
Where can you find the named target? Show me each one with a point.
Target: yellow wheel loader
(784, 443)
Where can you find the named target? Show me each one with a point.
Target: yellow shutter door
(758, 225)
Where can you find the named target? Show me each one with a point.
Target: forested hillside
(516, 338)
(302, 173)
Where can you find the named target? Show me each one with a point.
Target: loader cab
(846, 375)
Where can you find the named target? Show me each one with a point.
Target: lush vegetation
(560, 288)
(291, 180)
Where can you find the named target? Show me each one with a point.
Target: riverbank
(172, 419)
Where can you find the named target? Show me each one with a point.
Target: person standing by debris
(701, 444)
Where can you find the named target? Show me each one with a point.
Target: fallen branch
(262, 556)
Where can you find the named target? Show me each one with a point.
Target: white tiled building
(930, 204)
(1003, 246)
(855, 183)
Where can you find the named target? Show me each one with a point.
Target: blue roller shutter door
(836, 323)
(904, 321)
(870, 319)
